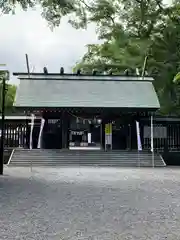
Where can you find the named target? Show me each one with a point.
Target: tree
(149, 28)
(105, 13)
(10, 96)
(116, 55)
(127, 27)
(165, 61)
(52, 10)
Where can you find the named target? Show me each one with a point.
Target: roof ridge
(74, 74)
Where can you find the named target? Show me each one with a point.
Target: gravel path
(90, 204)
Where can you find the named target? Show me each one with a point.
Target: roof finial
(126, 72)
(78, 72)
(110, 72)
(94, 72)
(61, 70)
(137, 72)
(45, 70)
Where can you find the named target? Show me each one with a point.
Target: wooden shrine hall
(76, 111)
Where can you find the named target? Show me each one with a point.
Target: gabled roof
(54, 90)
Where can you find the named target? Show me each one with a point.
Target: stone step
(87, 157)
(60, 154)
(76, 151)
(80, 152)
(84, 160)
(76, 160)
(39, 157)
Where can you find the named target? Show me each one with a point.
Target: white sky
(28, 32)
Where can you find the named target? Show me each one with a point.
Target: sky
(27, 32)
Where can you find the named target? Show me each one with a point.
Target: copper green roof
(86, 91)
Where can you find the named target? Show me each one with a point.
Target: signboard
(108, 134)
(53, 121)
(158, 132)
(80, 133)
(108, 128)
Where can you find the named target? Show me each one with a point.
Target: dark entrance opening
(52, 134)
(119, 137)
(95, 130)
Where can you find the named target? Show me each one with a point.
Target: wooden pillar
(27, 133)
(103, 133)
(129, 136)
(65, 130)
(62, 129)
(65, 125)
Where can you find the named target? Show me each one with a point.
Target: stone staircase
(53, 158)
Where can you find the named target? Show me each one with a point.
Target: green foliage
(139, 16)
(177, 78)
(8, 6)
(117, 54)
(166, 55)
(52, 10)
(10, 91)
(131, 30)
(9, 97)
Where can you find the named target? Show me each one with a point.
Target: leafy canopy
(52, 10)
(132, 30)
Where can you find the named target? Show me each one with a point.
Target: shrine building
(86, 111)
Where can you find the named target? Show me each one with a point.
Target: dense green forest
(130, 30)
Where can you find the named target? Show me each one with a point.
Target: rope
(87, 119)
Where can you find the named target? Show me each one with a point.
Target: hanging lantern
(77, 120)
(99, 121)
(94, 120)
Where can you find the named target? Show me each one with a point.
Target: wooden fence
(15, 135)
(164, 136)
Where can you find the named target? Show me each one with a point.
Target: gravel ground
(90, 204)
